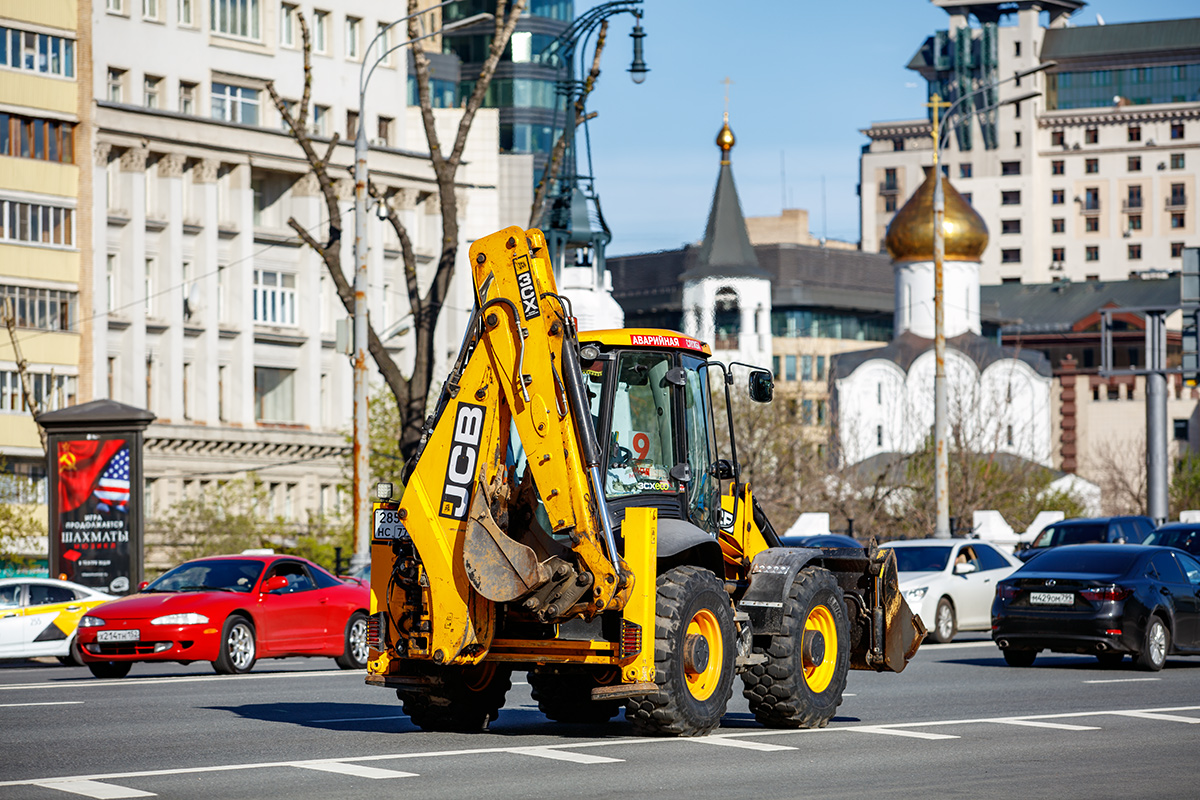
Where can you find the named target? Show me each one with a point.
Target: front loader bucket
(902, 632)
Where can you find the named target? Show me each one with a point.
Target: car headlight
(180, 619)
(91, 622)
(913, 595)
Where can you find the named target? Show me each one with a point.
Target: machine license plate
(1051, 599)
(118, 636)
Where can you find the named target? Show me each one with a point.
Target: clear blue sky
(806, 77)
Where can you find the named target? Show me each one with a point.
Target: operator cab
(650, 399)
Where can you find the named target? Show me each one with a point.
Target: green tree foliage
(22, 520)
(1185, 485)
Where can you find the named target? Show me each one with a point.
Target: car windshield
(1188, 540)
(1079, 533)
(222, 575)
(932, 558)
(1082, 560)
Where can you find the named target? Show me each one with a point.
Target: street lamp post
(941, 421)
(362, 521)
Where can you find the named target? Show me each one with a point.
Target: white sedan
(950, 583)
(39, 616)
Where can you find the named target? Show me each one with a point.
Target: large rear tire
(564, 694)
(801, 683)
(355, 654)
(694, 652)
(462, 699)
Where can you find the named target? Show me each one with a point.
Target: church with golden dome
(999, 397)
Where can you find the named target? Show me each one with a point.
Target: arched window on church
(727, 319)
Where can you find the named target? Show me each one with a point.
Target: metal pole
(941, 459)
(1156, 419)
(362, 445)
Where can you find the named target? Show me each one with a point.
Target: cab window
(989, 558)
(703, 491)
(10, 595)
(641, 449)
(297, 576)
(41, 594)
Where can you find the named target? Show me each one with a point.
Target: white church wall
(914, 298)
(870, 410)
(754, 308)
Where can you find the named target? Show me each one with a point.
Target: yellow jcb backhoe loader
(570, 512)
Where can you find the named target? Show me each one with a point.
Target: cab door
(51, 614)
(290, 619)
(11, 620)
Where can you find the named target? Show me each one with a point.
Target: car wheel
(109, 669)
(1154, 651)
(1019, 658)
(1110, 660)
(237, 654)
(74, 659)
(944, 624)
(354, 656)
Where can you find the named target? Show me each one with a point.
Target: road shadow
(1079, 663)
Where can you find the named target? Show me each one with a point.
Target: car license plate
(118, 636)
(1051, 599)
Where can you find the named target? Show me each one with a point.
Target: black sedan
(1180, 535)
(1103, 599)
(1117, 530)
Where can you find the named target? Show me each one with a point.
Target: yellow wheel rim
(702, 683)
(818, 677)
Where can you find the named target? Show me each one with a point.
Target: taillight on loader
(631, 639)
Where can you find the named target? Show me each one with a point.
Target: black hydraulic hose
(573, 378)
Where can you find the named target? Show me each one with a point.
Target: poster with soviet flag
(93, 527)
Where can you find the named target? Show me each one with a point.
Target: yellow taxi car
(38, 617)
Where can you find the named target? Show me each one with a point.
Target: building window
(1016, 138)
(385, 43)
(274, 297)
(964, 170)
(1010, 167)
(43, 309)
(37, 52)
(1057, 197)
(384, 139)
(1134, 163)
(50, 392)
(234, 103)
(235, 18)
(1092, 253)
(1056, 138)
(353, 32)
(1135, 222)
(1177, 161)
(287, 25)
(1176, 130)
(273, 395)
(1058, 225)
(1177, 220)
(1091, 224)
(1091, 136)
(351, 125)
(187, 98)
(115, 6)
(806, 411)
(879, 436)
(1181, 430)
(1058, 255)
(822, 415)
(897, 145)
(1135, 133)
(321, 31)
(967, 196)
(188, 383)
(1057, 167)
(36, 223)
(1091, 199)
(889, 180)
(1010, 226)
(320, 123)
(116, 85)
(150, 91)
(1135, 252)
(1178, 195)
(806, 368)
(186, 17)
(789, 368)
(1176, 249)
(889, 203)
(820, 368)
(150, 10)
(1010, 198)
(110, 285)
(1010, 256)
(42, 139)
(1091, 166)
(1133, 198)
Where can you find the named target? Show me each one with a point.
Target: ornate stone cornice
(171, 165)
(134, 159)
(891, 130)
(206, 171)
(101, 154)
(1117, 115)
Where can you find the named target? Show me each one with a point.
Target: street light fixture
(638, 69)
(941, 472)
(362, 520)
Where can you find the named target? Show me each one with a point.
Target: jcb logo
(529, 301)
(464, 461)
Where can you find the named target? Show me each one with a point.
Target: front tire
(355, 655)
(109, 669)
(565, 695)
(694, 652)
(238, 652)
(945, 625)
(1154, 651)
(801, 683)
(461, 700)
(73, 658)
(1019, 658)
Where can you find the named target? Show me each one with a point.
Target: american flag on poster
(112, 490)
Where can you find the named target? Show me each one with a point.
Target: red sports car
(230, 610)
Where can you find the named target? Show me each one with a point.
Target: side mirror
(276, 583)
(721, 469)
(762, 389)
(143, 585)
(965, 568)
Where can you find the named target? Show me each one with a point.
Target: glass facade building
(1177, 83)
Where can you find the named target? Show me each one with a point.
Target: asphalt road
(957, 723)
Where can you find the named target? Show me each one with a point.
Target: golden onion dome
(725, 140)
(910, 234)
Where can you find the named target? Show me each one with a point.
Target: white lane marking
(563, 755)
(1157, 716)
(56, 703)
(356, 770)
(151, 681)
(360, 719)
(102, 791)
(1125, 680)
(742, 743)
(1037, 723)
(901, 732)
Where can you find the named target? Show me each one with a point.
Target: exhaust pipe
(1101, 647)
(1002, 643)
